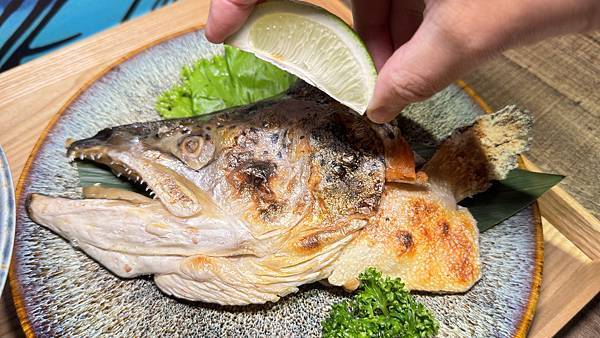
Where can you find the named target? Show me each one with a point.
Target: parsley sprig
(382, 307)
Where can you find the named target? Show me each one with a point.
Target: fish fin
(226, 281)
(242, 280)
(468, 160)
(399, 157)
(211, 290)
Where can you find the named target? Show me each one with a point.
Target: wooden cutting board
(31, 94)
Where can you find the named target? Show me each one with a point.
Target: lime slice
(314, 45)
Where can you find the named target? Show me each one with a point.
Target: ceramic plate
(7, 218)
(60, 291)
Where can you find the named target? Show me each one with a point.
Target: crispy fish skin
(253, 202)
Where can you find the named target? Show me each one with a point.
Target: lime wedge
(314, 45)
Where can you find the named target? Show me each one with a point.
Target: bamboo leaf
(91, 173)
(425, 151)
(509, 196)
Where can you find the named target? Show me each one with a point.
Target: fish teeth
(81, 156)
(118, 174)
(152, 194)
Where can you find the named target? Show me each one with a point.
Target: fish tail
(469, 159)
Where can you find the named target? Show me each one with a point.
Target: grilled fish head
(265, 155)
(253, 201)
(283, 185)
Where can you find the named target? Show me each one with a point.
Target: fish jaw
(137, 228)
(189, 257)
(132, 158)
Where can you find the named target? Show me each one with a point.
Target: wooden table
(557, 80)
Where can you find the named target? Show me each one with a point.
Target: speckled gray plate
(60, 291)
(7, 218)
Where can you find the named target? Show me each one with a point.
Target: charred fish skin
(246, 141)
(254, 201)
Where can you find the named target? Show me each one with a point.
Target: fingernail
(380, 115)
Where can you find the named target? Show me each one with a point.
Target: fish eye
(192, 144)
(194, 150)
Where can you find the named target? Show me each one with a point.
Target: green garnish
(382, 307)
(505, 198)
(232, 79)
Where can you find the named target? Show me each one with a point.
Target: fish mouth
(146, 169)
(120, 169)
(113, 224)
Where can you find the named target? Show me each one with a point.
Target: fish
(247, 204)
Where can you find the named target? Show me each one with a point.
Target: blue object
(31, 28)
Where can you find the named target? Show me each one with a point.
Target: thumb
(427, 63)
(226, 17)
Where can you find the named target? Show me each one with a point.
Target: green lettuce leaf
(232, 79)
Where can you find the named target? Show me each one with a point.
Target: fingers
(407, 16)
(456, 36)
(226, 17)
(371, 21)
(427, 63)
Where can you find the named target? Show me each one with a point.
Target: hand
(419, 47)
(226, 17)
